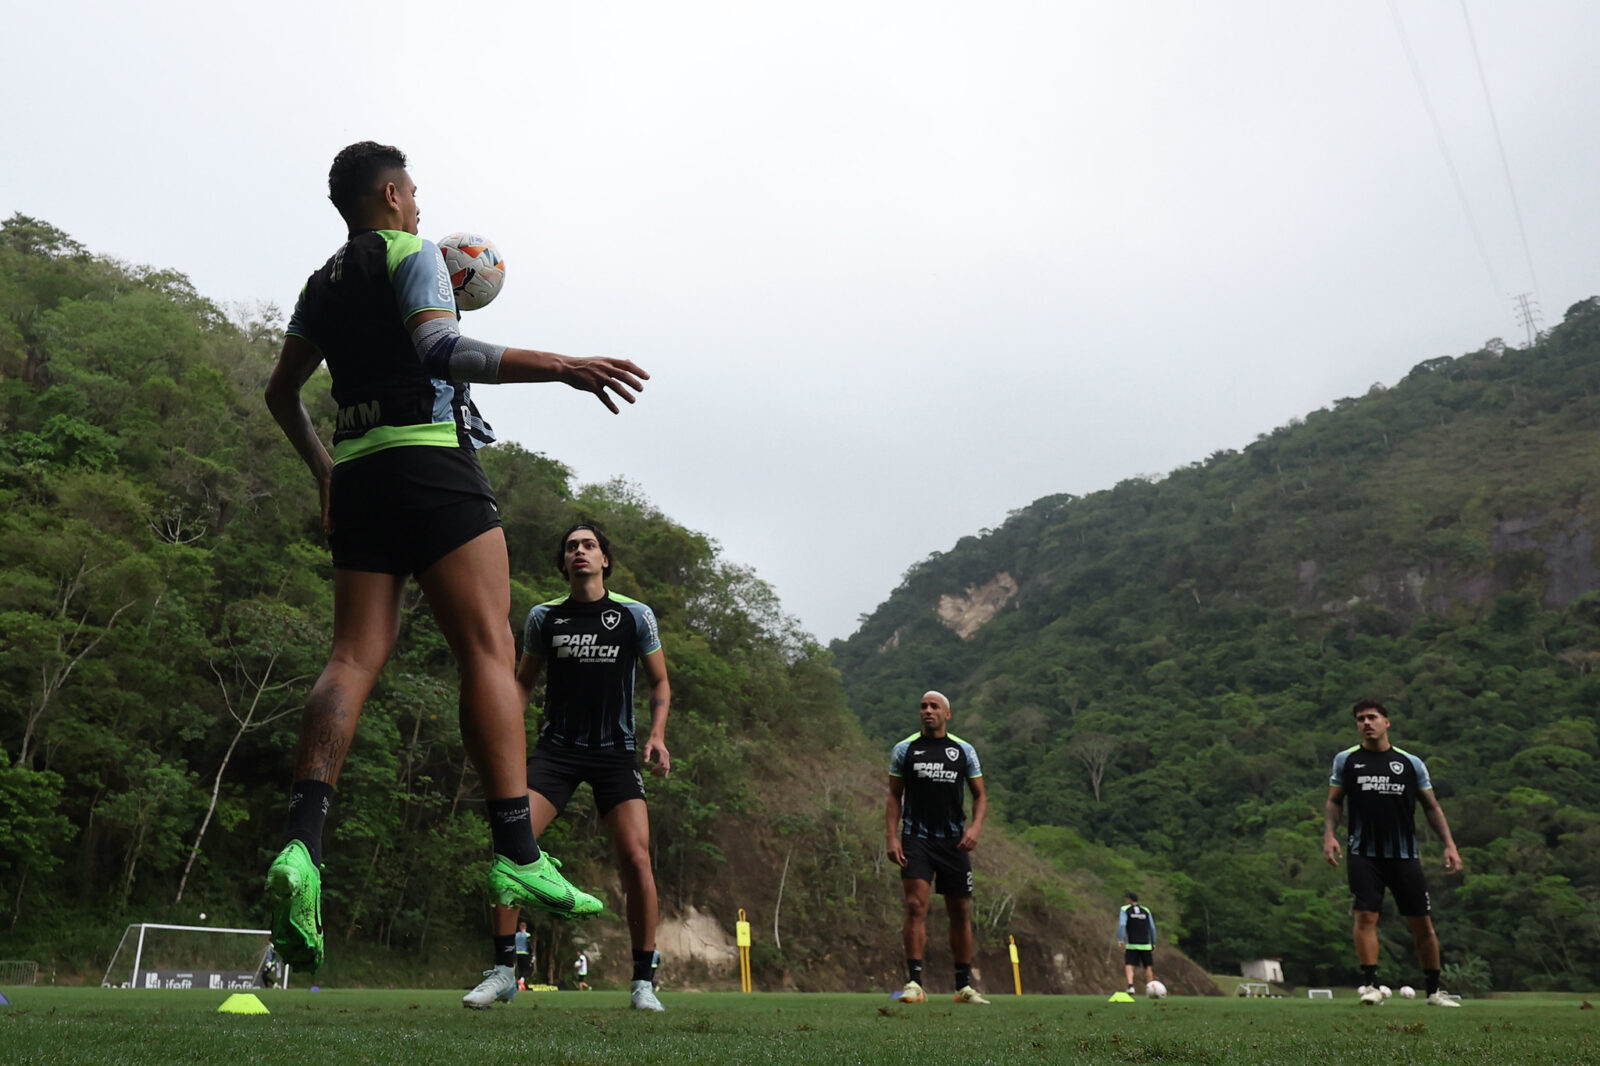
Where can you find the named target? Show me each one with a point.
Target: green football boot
(294, 891)
(539, 884)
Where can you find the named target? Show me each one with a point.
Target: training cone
(242, 1003)
(1121, 997)
(3, 1000)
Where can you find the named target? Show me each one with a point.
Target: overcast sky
(896, 268)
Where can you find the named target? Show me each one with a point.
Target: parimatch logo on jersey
(584, 646)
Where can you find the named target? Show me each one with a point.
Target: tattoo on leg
(325, 732)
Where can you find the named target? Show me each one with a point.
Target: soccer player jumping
(1384, 785)
(403, 494)
(927, 835)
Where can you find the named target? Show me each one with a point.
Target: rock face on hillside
(1553, 554)
(975, 608)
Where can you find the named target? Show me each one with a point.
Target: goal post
(186, 955)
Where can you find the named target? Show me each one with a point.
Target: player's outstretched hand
(896, 852)
(662, 766)
(1331, 850)
(600, 373)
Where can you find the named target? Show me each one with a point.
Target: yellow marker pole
(743, 934)
(1016, 966)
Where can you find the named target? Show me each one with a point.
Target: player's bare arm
(655, 668)
(1441, 828)
(528, 669)
(596, 374)
(296, 363)
(980, 807)
(891, 820)
(1331, 811)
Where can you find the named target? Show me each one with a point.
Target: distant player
(580, 971)
(1384, 785)
(928, 837)
(524, 956)
(1136, 935)
(403, 494)
(589, 644)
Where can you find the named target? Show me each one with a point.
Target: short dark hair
(356, 170)
(1134, 896)
(1369, 705)
(599, 536)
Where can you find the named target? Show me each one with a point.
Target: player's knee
(916, 908)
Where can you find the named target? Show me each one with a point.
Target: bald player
(927, 835)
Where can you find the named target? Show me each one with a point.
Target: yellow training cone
(1120, 997)
(242, 1003)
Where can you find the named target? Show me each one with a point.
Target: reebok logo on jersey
(584, 646)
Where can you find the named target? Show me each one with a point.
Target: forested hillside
(165, 604)
(1166, 668)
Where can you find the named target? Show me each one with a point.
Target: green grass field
(82, 1026)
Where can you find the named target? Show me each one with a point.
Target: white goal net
(18, 972)
(152, 955)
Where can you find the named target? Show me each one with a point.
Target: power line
(1528, 315)
(1505, 164)
(1444, 148)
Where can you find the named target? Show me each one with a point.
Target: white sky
(897, 268)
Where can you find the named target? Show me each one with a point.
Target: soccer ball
(1156, 990)
(476, 269)
(1385, 990)
(1407, 992)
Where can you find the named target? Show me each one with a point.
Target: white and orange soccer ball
(477, 270)
(1156, 990)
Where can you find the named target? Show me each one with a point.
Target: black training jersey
(590, 651)
(1136, 927)
(355, 311)
(935, 772)
(1381, 789)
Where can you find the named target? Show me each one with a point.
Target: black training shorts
(400, 510)
(1369, 877)
(555, 772)
(939, 862)
(1136, 956)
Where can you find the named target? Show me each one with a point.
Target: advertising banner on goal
(214, 979)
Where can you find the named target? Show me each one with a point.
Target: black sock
(510, 823)
(914, 970)
(309, 802)
(505, 950)
(963, 975)
(1431, 978)
(1369, 975)
(644, 965)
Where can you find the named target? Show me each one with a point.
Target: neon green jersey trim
(399, 245)
(376, 439)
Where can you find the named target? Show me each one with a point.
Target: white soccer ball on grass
(1156, 990)
(1407, 992)
(1385, 990)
